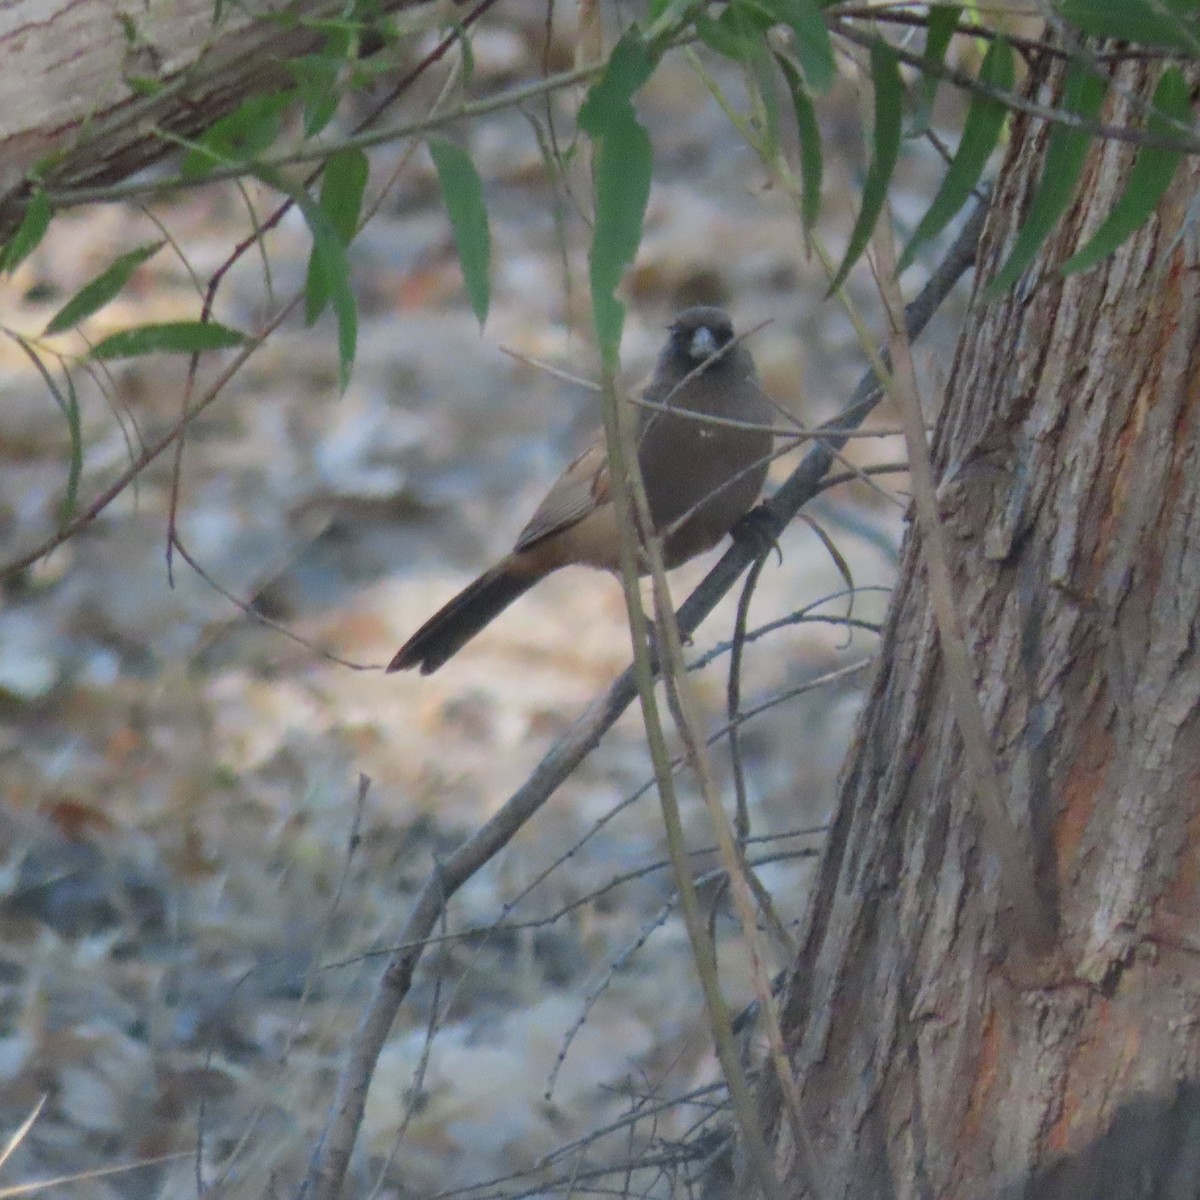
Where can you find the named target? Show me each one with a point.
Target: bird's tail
(456, 623)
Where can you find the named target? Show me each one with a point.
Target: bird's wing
(579, 490)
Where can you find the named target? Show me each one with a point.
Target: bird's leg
(761, 528)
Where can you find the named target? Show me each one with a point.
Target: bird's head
(699, 333)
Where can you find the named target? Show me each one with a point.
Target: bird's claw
(760, 528)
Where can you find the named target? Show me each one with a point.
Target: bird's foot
(760, 528)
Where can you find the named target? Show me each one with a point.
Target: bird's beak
(704, 345)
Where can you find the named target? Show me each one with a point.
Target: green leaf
(668, 10)
(1083, 95)
(239, 137)
(29, 233)
(70, 404)
(462, 190)
(943, 20)
(319, 76)
(330, 266)
(329, 271)
(629, 66)
(623, 168)
(1144, 22)
(981, 131)
(316, 78)
(760, 68)
(468, 55)
(811, 162)
(742, 30)
(666, 17)
(814, 49)
(889, 107)
(1150, 177)
(720, 36)
(752, 17)
(342, 185)
(144, 85)
(171, 337)
(96, 293)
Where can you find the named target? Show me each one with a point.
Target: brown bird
(700, 476)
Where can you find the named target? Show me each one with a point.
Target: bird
(701, 476)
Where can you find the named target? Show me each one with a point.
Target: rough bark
(935, 1060)
(68, 70)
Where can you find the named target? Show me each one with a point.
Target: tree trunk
(74, 76)
(935, 1060)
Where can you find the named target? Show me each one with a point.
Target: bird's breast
(700, 478)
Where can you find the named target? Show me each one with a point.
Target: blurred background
(190, 890)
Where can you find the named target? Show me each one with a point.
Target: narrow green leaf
(760, 67)
(629, 66)
(889, 107)
(719, 37)
(239, 137)
(811, 162)
(329, 271)
(319, 111)
(171, 337)
(749, 21)
(1083, 94)
(342, 185)
(316, 78)
(29, 233)
(319, 77)
(943, 19)
(468, 55)
(96, 293)
(981, 131)
(623, 167)
(670, 10)
(1144, 22)
(70, 403)
(462, 190)
(740, 34)
(814, 49)
(331, 268)
(1150, 177)
(144, 85)
(666, 18)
